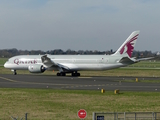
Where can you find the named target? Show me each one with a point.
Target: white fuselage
(73, 62)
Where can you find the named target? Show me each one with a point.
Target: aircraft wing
(49, 63)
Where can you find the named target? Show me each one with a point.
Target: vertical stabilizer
(127, 47)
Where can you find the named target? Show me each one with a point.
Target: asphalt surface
(78, 83)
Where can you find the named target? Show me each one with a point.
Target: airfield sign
(82, 114)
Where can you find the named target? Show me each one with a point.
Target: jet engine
(36, 68)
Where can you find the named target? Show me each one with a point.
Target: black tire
(78, 74)
(58, 74)
(15, 73)
(63, 74)
(73, 74)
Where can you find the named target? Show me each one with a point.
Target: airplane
(74, 63)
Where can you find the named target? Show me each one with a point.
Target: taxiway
(78, 83)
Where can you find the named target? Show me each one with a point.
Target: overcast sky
(78, 24)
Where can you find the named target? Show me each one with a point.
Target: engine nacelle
(36, 68)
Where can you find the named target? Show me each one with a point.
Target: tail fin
(127, 47)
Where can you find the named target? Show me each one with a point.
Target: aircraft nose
(6, 65)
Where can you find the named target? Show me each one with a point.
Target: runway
(78, 83)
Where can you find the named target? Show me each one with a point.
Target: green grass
(49, 104)
(3, 60)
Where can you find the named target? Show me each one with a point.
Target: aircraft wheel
(58, 74)
(78, 74)
(63, 74)
(15, 73)
(73, 74)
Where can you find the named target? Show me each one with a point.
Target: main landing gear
(61, 74)
(64, 74)
(75, 74)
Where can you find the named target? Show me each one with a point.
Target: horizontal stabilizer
(126, 60)
(143, 59)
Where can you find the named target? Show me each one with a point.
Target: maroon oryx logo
(129, 46)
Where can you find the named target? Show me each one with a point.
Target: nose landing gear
(14, 72)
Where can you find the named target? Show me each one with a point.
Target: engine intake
(36, 68)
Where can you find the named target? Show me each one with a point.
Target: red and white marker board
(82, 114)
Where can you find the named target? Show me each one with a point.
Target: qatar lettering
(18, 62)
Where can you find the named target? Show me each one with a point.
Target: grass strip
(49, 104)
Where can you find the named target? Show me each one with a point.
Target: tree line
(13, 52)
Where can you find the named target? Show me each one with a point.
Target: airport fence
(126, 116)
